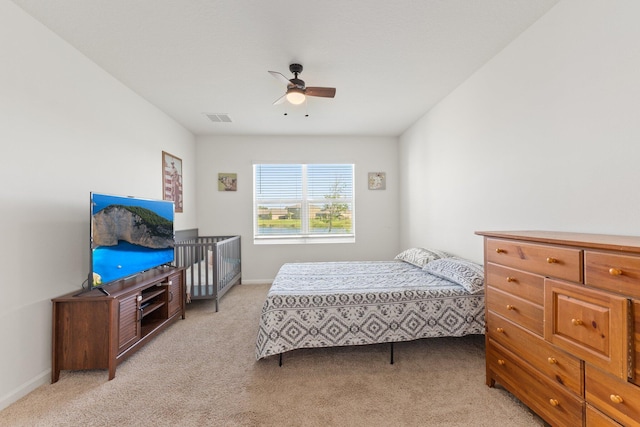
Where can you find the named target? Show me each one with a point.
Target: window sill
(271, 240)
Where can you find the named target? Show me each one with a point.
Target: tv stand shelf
(150, 308)
(92, 330)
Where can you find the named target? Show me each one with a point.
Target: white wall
(224, 213)
(545, 136)
(66, 128)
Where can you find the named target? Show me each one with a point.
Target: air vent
(218, 117)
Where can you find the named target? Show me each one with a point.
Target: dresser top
(583, 240)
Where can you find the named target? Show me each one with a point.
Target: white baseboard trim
(257, 282)
(26, 388)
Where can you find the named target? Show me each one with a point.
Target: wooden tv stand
(92, 330)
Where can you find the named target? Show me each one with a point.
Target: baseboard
(24, 389)
(257, 282)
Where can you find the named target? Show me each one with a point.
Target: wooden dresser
(563, 324)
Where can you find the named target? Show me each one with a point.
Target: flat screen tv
(129, 235)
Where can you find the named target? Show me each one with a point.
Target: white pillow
(421, 256)
(465, 273)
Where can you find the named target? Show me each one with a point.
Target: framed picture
(377, 181)
(172, 180)
(227, 182)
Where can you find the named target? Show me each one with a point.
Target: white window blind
(300, 202)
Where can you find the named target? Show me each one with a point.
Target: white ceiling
(390, 60)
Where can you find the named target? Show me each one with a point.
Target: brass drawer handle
(576, 322)
(551, 260)
(616, 398)
(554, 402)
(511, 279)
(500, 251)
(510, 307)
(500, 330)
(552, 360)
(615, 271)
(501, 362)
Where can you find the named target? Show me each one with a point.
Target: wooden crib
(212, 264)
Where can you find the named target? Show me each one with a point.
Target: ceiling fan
(297, 91)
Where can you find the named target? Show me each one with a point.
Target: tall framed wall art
(172, 180)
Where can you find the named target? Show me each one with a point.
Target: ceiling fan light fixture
(297, 90)
(295, 96)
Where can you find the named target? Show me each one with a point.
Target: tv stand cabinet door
(175, 295)
(128, 321)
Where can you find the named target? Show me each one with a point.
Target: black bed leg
(392, 353)
(280, 359)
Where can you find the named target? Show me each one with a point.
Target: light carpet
(202, 372)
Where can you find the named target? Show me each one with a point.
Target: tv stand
(100, 329)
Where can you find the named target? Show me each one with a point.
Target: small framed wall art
(172, 180)
(377, 181)
(227, 182)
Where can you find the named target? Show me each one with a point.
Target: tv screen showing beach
(129, 235)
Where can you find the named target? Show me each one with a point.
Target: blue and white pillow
(465, 273)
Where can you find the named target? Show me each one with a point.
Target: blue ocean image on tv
(115, 262)
(118, 259)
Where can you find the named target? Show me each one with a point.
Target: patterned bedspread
(353, 303)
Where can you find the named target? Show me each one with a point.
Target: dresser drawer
(518, 310)
(588, 323)
(559, 366)
(553, 403)
(552, 261)
(595, 418)
(516, 282)
(613, 272)
(617, 398)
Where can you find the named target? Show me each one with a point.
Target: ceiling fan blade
(326, 92)
(280, 100)
(280, 76)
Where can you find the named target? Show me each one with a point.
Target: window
(298, 203)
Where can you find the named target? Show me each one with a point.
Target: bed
(212, 264)
(330, 304)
